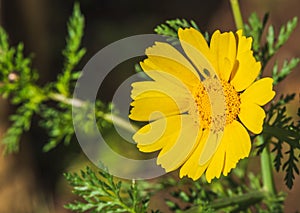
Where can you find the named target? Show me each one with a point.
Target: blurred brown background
(32, 181)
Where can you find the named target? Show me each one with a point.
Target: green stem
(114, 119)
(266, 168)
(63, 99)
(240, 200)
(237, 15)
(120, 122)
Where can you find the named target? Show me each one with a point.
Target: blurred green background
(32, 181)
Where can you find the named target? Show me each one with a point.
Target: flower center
(207, 95)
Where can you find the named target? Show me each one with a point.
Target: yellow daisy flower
(199, 104)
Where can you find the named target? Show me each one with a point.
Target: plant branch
(114, 119)
(63, 99)
(238, 19)
(244, 200)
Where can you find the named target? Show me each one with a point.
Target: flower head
(199, 104)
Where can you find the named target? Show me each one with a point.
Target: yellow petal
(238, 145)
(157, 134)
(196, 48)
(153, 108)
(247, 69)
(252, 116)
(191, 167)
(223, 49)
(244, 43)
(166, 95)
(215, 168)
(260, 92)
(165, 84)
(195, 39)
(163, 57)
(211, 145)
(172, 157)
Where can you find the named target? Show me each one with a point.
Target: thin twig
(114, 119)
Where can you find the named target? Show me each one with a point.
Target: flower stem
(266, 168)
(238, 19)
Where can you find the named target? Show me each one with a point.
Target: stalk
(266, 168)
(114, 119)
(244, 200)
(237, 15)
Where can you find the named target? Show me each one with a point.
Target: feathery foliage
(170, 29)
(101, 193)
(282, 131)
(19, 85)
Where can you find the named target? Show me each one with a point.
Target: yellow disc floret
(204, 99)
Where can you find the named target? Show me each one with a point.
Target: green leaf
(281, 129)
(286, 31)
(290, 166)
(255, 29)
(274, 43)
(101, 193)
(21, 122)
(170, 28)
(72, 52)
(286, 69)
(58, 124)
(270, 40)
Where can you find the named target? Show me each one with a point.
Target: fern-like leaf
(278, 129)
(101, 193)
(72, 52)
